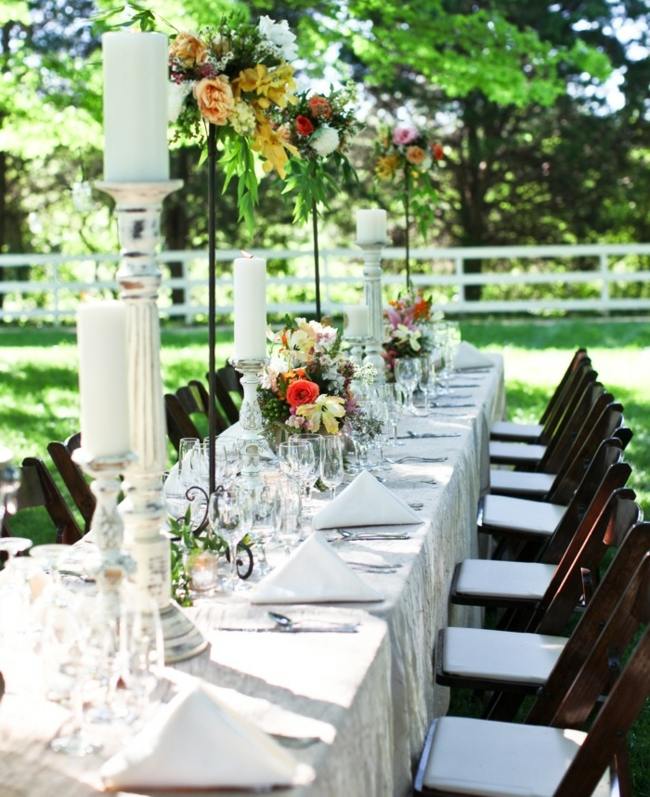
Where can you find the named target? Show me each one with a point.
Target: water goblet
(331, 463)
(407, 374)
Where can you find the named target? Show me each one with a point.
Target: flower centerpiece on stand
(406, 157)
(319, 127)
(307, 385)
(408, 328)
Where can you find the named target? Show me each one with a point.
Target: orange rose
(214, 98)
(302, 391)
(438, 151)
(319, 106)
(415, 155)
(189, 50)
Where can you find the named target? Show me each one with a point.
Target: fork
(414, 458)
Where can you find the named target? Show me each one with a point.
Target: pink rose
(404, 134)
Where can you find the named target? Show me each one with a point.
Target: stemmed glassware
(298, 460)
(407, 375)
(427, 381)
(393, 396)
(331, 463)
(231, 513)
(285, 512)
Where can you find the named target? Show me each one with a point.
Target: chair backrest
(606, 737)
(578, 357)
(38, 489)
(194, 398)
(226, 381)
(73, 477)
(592, 398)
(600, 480)
(566, 402)
(179, 423)
(601, 422)
(576, 574)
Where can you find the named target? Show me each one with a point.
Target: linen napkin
(195, 742)
(365, 502)
(314, 573)
(468, 356)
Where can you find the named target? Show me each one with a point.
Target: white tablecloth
(356, 706)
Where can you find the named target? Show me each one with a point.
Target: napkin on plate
(365, 502)
(197, 743)
(314, 573)
(468, 356)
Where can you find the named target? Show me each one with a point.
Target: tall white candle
(135, 107)
(371, 226)
(356, 320)
(249, 275)
(101, 336)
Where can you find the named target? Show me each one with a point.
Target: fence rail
(48, 287)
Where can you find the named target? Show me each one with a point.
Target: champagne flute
(407, 370)
(331, 463)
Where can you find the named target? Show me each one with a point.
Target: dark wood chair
(227, 383)
(522, 527)
(570, 417)
(179, 423)
(541, 432)
(73, 477)
(38, 489)
(195, 398)
(484, 757)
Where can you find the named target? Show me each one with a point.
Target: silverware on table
(427, 435)
(296, 742)
(362, 536)
(285, 625)
(414, 458)
(383, 568)
(439, 406)
(416, 504)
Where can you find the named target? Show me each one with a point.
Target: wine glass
(427, 381)
(331, 463)
(285, 512)
(394, 399)
(407, 374)
(228, 510)
(189, 461)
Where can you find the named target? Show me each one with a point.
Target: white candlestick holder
(144, 511)
(250, 421)
(373, 297)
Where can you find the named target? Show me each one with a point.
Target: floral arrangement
(406, 157)
(407, 327)
(307, 385)
(238, 77)
(319, 128)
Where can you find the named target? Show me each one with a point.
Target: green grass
(38, 402)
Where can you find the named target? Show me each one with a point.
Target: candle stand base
(357, 348)
(251, 422)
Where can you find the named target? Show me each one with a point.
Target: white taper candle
(101, 336)
(371, 226)
(249, 275)
(135, 107)
(356, 320)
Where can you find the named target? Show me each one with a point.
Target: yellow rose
(189, 50)
(215, 100)
(386, 166)
(415, 155)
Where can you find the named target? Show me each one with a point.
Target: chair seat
(521, 514)
(529, 431)
(516, 452)
(519, 481)
(501, 759)
(493, 578)
(507, 656)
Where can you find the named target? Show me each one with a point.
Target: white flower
(176, 97)
(279, 37)
(325, 140)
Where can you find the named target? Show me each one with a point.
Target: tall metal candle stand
(373, 298)
(138, 208)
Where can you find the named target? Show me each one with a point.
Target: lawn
(38, 400)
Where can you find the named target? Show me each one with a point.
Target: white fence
(48, 287)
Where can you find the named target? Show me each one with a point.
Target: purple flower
(404, 134)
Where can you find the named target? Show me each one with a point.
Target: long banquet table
(354, 707)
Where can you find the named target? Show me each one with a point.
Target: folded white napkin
(314, 573)
(468, 356)
(195, 742)
(365, 502)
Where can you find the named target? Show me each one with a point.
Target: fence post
(55, 290)
(186, 293)
(603, 262)
(460, 272)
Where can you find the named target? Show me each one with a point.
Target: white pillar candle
(135, 107)
(103, 373)
(371, 226)
(249, 274)
(356, 321)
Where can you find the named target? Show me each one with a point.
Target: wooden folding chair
(227, 382)
(517, 521)
(483, 758)
(557, 486)
(520, 663)
(73, 477)
(195, 398)
(38, 489)
(571, 416)
(540, 432)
